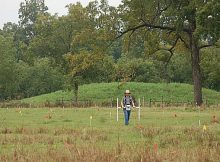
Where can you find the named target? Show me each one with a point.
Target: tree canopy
(140, 40)
(193, 23)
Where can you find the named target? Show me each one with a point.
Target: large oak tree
(194, 23)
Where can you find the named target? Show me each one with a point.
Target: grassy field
(94, 135)
(106, 91)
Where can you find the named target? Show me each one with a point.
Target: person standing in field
(127, 103)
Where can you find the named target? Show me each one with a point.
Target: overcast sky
(9, 8)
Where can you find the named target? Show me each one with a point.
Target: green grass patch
(104, 92)
(66, 135)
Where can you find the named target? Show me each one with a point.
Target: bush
(41, 78)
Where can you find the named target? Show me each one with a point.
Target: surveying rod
(118, 107)
(139, 110)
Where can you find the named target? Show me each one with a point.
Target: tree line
(141, 41)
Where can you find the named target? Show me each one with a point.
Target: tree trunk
(76, 91)
(196, 72)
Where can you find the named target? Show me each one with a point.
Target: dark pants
(127, 114)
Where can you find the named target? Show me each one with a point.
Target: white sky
(9, 8)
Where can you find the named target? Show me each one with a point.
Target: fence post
(150, 103)
(62, 102)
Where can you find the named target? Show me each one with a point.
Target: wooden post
(62, 102)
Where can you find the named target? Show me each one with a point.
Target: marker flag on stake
(204, 128)
(90, 121)
(155, 148)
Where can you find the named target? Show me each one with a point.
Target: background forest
(44, 53)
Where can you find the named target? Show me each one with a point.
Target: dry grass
(108, 141)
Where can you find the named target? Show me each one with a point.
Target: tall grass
(68, 136)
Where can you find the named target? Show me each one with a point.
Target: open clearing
(172, 92)
(94, 135)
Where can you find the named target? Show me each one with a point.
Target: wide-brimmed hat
(127, 92)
